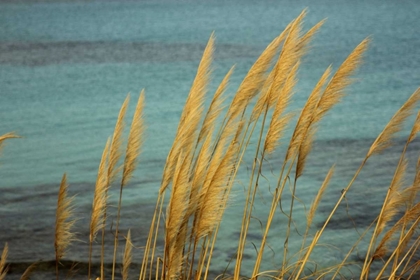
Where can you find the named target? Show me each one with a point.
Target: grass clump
(204, 160)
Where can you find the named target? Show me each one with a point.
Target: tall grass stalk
(64, 223)
(3, 266)
(100, 198)
(127, 256)
(115, 151)
(135, 139)
(394, 200)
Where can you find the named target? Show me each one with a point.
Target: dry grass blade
(408, 258)
(303, 45)
(262, 101)
(3, 267)
(191, 115)
(116, 144)
(293, 50)
(176, 255)
(175, 217)
(254, 79)
(115, 152)
(415, 129)
(332, 95)
(135, 139)
(278, 122)
(306, 114)
(394, 270)
(199, 87)
(288, 58)
(212, 239)
(417, 178)
(415, 188)
(319, 196)
(63, 223)
(217, 156)
(211, 200)
(384, 140)
(64, 220)
(177, 203)
(100, 196)
(404, 240)
(311, 214)
(412, 215)
(198, 181)
(396, 200)
(268, 85)
(127, 257)
(411, 194)
(8, 136)
(304, 150)
(27, 274)
(215, 107)
(335, 89)
(307, 254)
(203, 160)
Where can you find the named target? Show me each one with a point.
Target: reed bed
(201, 167)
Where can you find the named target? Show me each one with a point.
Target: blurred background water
(66, 67)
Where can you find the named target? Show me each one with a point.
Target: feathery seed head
(384, 140)
(3, 267)
(64, 220)
(135, 139)
(100, 196)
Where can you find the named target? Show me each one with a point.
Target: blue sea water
(66, 67)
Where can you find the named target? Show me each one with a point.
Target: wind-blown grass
(205, 158)
(3, 266)
(64, 223)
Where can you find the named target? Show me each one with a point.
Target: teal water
(66, 67)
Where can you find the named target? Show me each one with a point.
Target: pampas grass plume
(127, 256)
(100, 195)
(64, 221)
(278, 120)
(27, 274)
(135, 139)
(191, 115)
(215, 108)
(116, 144)
(384, 140)
(8, 136)
(3, 267)
(320, 194)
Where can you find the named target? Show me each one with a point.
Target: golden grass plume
(115, 149)
(384, 140)
(3, 266)
(191, 115)
(64, 220)
(127, 256)
(135, 140)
